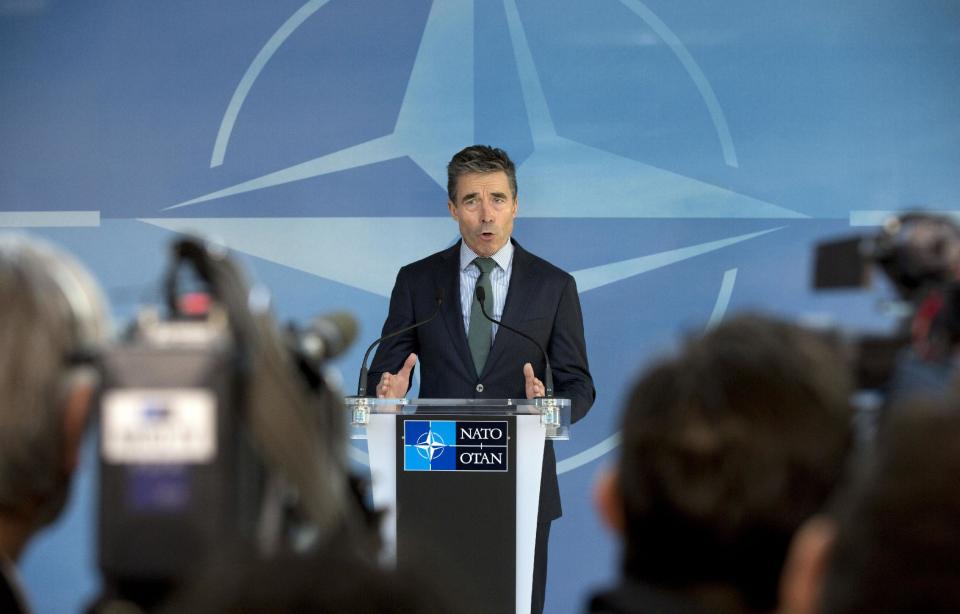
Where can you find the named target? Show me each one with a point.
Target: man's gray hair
(51, 312)
(479, 159)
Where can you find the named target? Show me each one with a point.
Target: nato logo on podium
(455, 445)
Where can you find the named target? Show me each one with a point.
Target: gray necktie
(480, 333)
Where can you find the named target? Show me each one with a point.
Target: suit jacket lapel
(449, 280)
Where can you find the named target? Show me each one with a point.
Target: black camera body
(919, 253)
(218, 433)
(178, 476)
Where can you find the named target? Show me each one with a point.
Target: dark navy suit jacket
(542, 301)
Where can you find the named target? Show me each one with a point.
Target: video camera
(919, 252)
(217, 428)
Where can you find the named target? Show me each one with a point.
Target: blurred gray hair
(51, 312)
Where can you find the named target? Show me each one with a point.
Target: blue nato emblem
(455, 445)
(425, 445)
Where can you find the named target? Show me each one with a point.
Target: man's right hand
(395, 385)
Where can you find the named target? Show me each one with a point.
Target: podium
(459, 483)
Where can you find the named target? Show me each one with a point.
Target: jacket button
(479, 387)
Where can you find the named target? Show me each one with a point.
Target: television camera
(919, 253)
(217, 428)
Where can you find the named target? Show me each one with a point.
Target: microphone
(547, 373)
(362, 384)
(326, 336)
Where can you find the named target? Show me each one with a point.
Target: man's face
(484, 209)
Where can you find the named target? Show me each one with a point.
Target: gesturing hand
(534, 387)
(395, 385)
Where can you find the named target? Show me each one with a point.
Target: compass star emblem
(430, 445)
(441, 92)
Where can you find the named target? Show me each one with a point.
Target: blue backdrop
(679, 158)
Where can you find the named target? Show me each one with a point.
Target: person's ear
(453, 210)
(608, 500)
(81, 391)
(806, 566)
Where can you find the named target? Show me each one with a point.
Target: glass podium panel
(554, 413)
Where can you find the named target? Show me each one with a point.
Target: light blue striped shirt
(499, 281)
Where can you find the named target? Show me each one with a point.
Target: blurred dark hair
(898, 540)
(333, 580)
(727, 449)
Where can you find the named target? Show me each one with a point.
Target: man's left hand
(534, 386)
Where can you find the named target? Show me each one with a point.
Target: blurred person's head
(727, 449)
(897, 544)
(334, 580)
(52, 318)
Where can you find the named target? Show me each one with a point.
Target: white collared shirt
(499, 281)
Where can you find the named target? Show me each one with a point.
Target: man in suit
(52, 317)
(463, 355)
